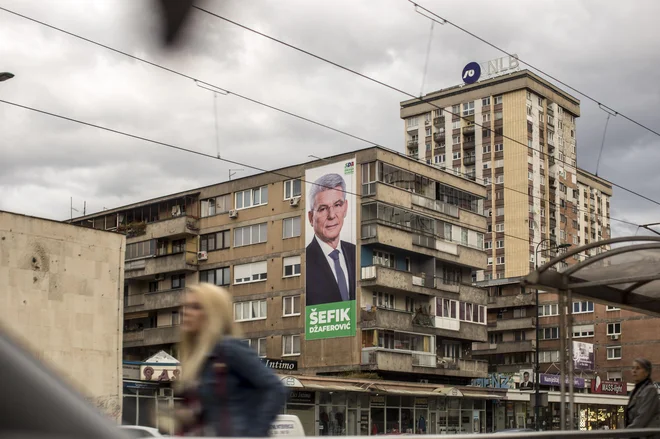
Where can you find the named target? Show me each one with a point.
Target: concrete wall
(62, 296)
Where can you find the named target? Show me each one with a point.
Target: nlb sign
(473, 71)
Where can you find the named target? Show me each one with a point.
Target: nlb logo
(471, 73)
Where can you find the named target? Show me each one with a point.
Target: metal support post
(562, 359)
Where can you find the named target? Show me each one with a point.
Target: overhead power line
(483, 40)
(201, 154)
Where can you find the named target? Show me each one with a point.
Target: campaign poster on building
(527, 379)
(330, 254)
(583, 356)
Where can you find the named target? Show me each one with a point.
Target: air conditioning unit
(233, 214)
(159, 277)
(614, 337)
(202, 256)
(295, 201)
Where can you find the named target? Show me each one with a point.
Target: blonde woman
(227, 391)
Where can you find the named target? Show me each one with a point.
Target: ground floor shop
(591, 412)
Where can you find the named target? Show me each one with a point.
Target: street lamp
(537, 384)
(5, 76)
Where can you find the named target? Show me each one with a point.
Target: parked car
(287, 425)
(137, 431)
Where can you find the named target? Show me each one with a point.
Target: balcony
(512, 324)
(469, 160)
(148, 267)
(421, 362)
(152, 336)
(383, 318)
(503, 347)
(495, 302)
(413, 144)
(435, 205)
(439, 121)
(134, 338)
(163, 299)
(390, 280)
(169, 228)
(468, 130)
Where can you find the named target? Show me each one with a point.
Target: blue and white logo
(471, 73)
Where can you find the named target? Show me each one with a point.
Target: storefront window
(453, 416)
(332, 414)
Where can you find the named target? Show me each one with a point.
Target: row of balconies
(421, 362)
(152, 336)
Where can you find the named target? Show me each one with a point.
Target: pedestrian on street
(227, 391)
(643, 410)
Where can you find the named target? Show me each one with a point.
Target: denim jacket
(253, 395)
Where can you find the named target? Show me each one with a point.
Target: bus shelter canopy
(625, 276)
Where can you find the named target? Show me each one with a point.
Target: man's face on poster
(526, 376)
(327, 215)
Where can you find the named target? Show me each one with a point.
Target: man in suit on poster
(330, 262)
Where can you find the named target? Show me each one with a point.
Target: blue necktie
(341, 277)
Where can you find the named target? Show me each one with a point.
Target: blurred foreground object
(175, 13)
(4, 76)
(35, 402)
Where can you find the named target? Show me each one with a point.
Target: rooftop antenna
(234, 173)
(72, 209)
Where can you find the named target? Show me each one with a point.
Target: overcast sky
(607, 49)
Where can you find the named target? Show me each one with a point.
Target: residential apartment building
(515, 134)
(419, 237)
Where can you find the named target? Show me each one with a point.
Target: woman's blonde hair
(219, 322)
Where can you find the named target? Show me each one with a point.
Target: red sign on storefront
(609, 387)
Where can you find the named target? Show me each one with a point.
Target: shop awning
(410, 392)
(482, 395)
(448, 391)
(332, 387)
(136, 315)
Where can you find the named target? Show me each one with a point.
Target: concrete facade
(63, 299)
(426, 266)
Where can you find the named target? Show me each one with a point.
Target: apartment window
(291, 306)
(290, 345)
(499, 227)
(249, 235)
(614, 352)
(499, 164)
(153, 286)
(499, 211)
(499, 179)
(291, 266)
(548, 356)
(529, 110)
(456, 124)
(498, 115)
(549, 333)
(485, 102)
(456, 140)
(176, 318)
(519, 313)
(612, 308)
(614, 328)
(141, 249)
(217, 276)
(583, 331)
(488, 245)
(383, 258)
(572, 134)
(293, 188)
(519, 336)
(529, 96)
(500, 243)
(250, 310)
(530, 175)
(290, 227)
(614, 376)
(253, 272)
(490, 261)
(485, 117)
(498, 100)
(468, 108)
(427, 117)
(412, 121)
(215, 205)
(583, 307)
(178, 281)
(548, 310)
(178, 246)
(384, 300)
(214, 241)
(500, 260)
(499, 147)
(457, 155)
(540, 102)
(486, 149)
(428, 131)
(456, 109)
(252, 197)
(440, 158)
(258, 344)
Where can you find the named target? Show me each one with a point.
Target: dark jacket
(243, 401)
(321, 282)
(643, 410)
